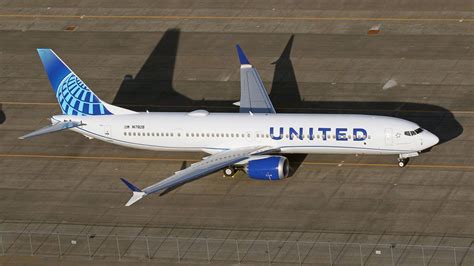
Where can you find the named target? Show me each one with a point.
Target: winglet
(242, 58)
(137, 193)
(135, 197)
(130, 185)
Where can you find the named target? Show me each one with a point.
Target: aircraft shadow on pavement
(152, 89)
(2, 115)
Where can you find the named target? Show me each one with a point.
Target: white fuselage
(291, 133)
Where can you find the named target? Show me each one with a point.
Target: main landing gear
(229, 172)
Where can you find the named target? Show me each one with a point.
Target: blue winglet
(242, 58)
(130, 185)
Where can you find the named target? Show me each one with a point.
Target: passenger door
(389, 136)
(107, 131)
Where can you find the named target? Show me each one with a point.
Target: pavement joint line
(71, 157)
(231, 107)
(151, 17)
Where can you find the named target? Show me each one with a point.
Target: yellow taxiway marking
(70, 157)
(231, 18)
(288, 108)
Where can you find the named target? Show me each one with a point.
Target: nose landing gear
(402, 162)
(404, 158)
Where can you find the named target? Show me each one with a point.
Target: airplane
(254, 140)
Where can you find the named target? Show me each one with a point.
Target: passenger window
(179, 134)
(148, 134)
(125, 133)
(134, 133)
(152, 134)
(171, 134)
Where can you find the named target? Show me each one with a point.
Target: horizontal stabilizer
(53, 128)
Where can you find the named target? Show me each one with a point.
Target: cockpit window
(414, 132)
(418, 130)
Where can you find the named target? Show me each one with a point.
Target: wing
(209, 165)
(253, 95)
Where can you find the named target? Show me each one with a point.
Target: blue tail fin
(74, 97)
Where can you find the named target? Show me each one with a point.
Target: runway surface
(180, 56)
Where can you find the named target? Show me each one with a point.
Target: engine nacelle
(270, 168)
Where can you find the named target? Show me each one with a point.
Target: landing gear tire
(229, 172)
(402, 162)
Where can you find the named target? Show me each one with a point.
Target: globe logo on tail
(75, 98)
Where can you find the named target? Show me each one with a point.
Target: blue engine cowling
(270, 168)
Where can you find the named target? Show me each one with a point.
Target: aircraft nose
(430, 139)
